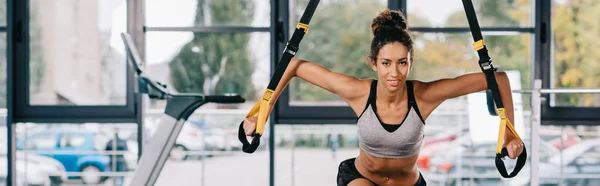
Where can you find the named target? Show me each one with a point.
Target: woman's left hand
(514, 147)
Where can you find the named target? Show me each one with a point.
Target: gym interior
(152, 92)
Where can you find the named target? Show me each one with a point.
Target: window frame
(25, 112)
(555, 115)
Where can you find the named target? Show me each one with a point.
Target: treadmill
(179, 108)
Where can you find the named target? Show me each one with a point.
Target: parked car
(27, 173)
(44, 167)
(440, 142)
(198, 138)
(579, 160)
(74, 149)
(217, 138)
(477, 159)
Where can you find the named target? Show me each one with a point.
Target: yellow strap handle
(262, 108)
(504, 122)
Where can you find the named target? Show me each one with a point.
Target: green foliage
(339, 39)
(216, 63)
(576, 29)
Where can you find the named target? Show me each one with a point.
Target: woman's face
(392, 65)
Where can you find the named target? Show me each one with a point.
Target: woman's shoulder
(419, 87)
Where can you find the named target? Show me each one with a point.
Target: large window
(211, 48)
(443, 47)
(206, 57)
(574, 60)
(76, 55)
(442, 53)
(70, 62)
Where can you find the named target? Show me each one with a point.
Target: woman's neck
(391, 99)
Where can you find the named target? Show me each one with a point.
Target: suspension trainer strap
(262, 107)
(485, 63)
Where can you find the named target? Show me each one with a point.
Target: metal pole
(563, 91)
(535, 126)
(293, 151)
(202, 157)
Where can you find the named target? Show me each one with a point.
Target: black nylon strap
(520, 163)
(485, 63)
(288, 54)
(292, 46)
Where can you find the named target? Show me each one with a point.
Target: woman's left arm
(436, 92)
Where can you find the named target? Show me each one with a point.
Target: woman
(391, 110)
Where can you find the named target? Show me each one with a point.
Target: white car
(191, 138)
(28, 173)
(37, 165)
(55, 170)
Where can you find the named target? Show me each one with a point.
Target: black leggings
(347, 172)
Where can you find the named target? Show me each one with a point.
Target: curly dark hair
(388, 27)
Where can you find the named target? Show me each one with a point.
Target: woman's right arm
(351, 89)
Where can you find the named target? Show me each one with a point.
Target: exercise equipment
(262, 107)
(178, 109)
(485, 63)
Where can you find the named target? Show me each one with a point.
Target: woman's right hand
(250, 125)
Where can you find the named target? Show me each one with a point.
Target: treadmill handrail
(136, 59)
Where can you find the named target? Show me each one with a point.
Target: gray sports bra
(390, 141)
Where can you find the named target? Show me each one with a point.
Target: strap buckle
(291, 49)
(485, 64)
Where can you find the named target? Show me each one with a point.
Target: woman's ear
(373, 65)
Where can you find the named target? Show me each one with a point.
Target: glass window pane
(3, 69)
(65, 152)
(76, 54)
(440, 55)
(338, 39)
(207, 152)
(3, 13)
(311, 154)
(189, 13)
(443, 13)
(574, 60)
(578, 156)
(215, 63)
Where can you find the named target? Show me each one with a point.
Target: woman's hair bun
(391, 18)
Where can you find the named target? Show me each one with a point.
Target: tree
(339, 39)
(216, 63)
(576, 60)
(455, 55)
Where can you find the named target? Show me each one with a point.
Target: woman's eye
(403, 63)
(385, 63)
